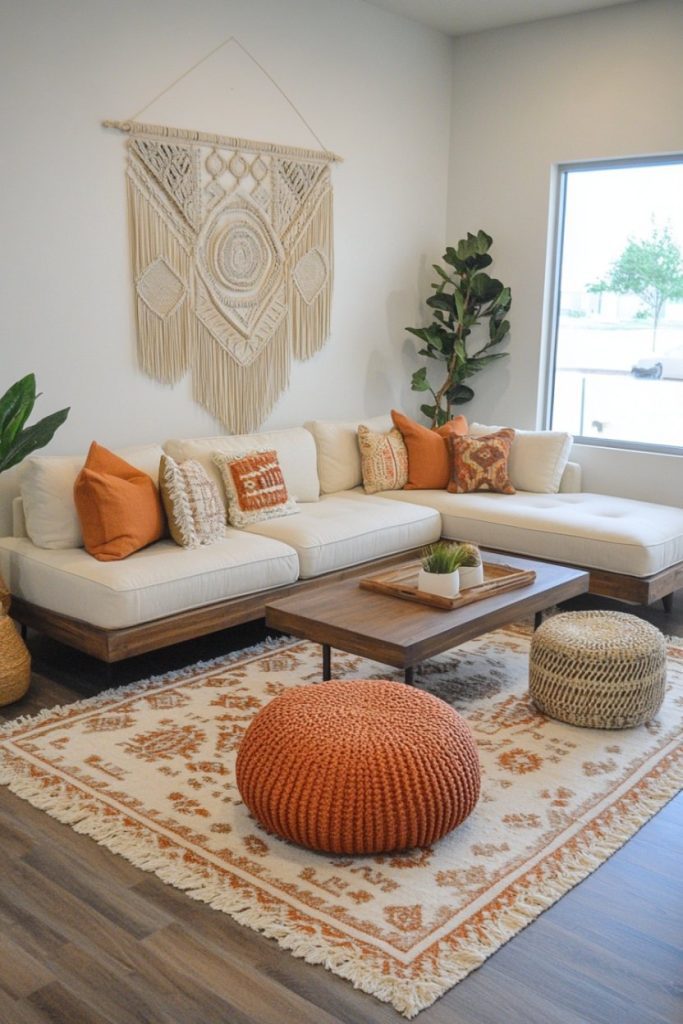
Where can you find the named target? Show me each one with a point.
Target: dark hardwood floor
(86, 938)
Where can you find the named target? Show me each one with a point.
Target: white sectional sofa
(164, 594)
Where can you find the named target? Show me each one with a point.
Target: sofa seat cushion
(160, 580)
(618, 535)
(349, 528)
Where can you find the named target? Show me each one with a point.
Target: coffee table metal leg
(538, 619)
(409, 675)
(327, 662)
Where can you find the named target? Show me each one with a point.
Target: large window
(616, 368)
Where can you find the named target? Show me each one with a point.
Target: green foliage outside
(652, 269)
(463, 296)
(16, 440)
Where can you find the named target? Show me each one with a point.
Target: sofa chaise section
(634, 549)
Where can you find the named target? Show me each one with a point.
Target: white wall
(374, 87)
(599, 85)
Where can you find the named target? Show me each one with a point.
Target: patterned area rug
(148, 771)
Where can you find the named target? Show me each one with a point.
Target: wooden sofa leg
(668, 602)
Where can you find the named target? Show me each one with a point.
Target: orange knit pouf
(360, 766)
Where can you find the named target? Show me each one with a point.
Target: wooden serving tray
(403, 583)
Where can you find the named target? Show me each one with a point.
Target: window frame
(560, 178)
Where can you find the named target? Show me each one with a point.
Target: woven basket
(5, 596)
(603, 670)
(15, 663)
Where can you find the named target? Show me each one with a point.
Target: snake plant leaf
(15, 407)
(29, 439)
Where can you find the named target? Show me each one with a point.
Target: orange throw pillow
(118, 506)
(481, 463)
(427, 452)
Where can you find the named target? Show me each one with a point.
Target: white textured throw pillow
(537, 457)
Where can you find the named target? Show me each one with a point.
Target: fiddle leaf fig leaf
(419, 381)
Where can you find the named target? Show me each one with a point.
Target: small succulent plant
(472, 555)
(442, 557)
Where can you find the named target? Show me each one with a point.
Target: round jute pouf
(358, 767)
(15, 663)
(604, 670)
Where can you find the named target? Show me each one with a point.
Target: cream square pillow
(339, 462)
(537, 457)
(47, 490)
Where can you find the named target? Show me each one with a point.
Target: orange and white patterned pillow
(254, 487)
(192, 503)
(481, 463)
(384, 460)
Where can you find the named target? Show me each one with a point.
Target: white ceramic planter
(444, 584)
(471, 575)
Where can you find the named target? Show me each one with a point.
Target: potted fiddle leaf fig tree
(17, 440)
(463, 297)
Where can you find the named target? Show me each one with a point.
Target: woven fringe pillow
(193, 505)
(481, 463)
(254, 487)
(384, 460)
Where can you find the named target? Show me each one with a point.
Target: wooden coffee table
(404, 633)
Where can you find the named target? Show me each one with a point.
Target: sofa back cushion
(47, 491)
(537, 457)
(295, 451)
(339, 461)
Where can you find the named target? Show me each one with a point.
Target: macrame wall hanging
(231, 245)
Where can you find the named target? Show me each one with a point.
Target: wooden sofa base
(111, 645)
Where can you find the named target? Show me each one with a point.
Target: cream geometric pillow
(193, 506)
(384, 460)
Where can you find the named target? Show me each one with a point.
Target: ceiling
(459, 17)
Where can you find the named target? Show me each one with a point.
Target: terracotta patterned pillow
(384, 460)
(481, 463)
(193, 505)
(254, 486)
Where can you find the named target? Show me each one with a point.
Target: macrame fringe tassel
(163, 342)
(241, 397)
(310, 323)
